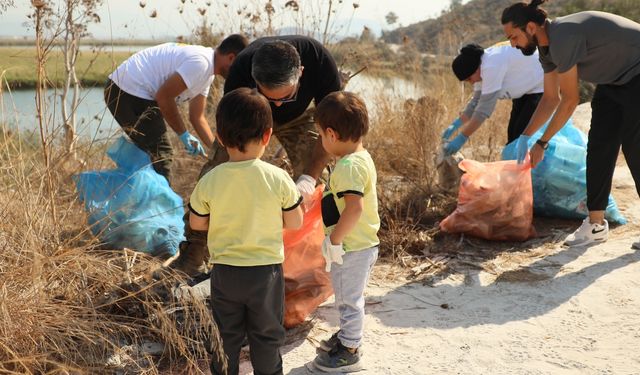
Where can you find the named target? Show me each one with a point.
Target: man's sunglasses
(291, 98)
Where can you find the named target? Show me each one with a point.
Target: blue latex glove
(451, 129)
(192, 144)
(455, 145)
(522, 148)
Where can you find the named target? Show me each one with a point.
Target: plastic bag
(307, 284)
(495, 202)
(132, 206)
(560, 179)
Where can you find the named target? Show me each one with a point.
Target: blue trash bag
(132, 206)
(560, 180)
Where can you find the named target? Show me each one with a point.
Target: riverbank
(18, 66)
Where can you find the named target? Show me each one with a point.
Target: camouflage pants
(142, 121)
(298, 137)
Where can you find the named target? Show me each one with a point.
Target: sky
(127, 19)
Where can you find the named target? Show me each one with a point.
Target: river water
(94, 121)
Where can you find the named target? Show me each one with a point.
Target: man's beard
(531, 47)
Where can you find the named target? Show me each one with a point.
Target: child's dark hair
(345, 113)
(520, 14)
(243, 116)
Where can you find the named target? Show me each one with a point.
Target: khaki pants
(298, 137)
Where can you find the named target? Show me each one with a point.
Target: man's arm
(197, 106)
(569, 99)
(483, 109)
(468, 110)
(471, 126)
(166, 99)
(548, 103)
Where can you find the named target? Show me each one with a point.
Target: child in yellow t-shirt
(244, 204)
(350, 214)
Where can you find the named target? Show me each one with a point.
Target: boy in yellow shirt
(350, 214)
(244, 204)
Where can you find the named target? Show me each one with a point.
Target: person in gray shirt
(597, 47)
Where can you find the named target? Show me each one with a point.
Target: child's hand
(331, 253)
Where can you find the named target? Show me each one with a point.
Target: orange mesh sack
(495, 201)
(307, 284)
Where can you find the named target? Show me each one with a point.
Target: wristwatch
(543, 144)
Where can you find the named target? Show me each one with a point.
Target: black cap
(468, 61)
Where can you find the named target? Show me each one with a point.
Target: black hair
(345, 113)
(275, 63)
(234, 43)
(243, 116)
(519, 14)
(468, 61)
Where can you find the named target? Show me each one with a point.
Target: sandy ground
(541, 310)
(556, 311)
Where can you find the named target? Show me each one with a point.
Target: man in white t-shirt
(498, 72)
(144, 92)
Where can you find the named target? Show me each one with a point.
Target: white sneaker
(588, 233)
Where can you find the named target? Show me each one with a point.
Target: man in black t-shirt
(290, 71)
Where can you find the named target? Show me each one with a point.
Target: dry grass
(405, 141)
(70, 308)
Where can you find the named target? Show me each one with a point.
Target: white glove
(331, 253)
(306, 186)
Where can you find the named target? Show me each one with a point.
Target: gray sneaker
(636, 245)
(339, 359)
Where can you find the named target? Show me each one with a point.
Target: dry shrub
(405, 140)
(69, 308)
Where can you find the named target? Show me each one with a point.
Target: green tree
(391, 18)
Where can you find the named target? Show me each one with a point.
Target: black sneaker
(338, 359)
(327, 345)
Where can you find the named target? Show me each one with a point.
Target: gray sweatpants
(349, 281)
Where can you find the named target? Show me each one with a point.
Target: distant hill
(479, 21)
